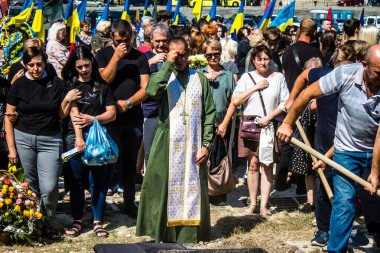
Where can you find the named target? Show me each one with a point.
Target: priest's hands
(202, 157)
(171, 55)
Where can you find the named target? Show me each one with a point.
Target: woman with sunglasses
(222, 84)
(41, 102)
(262, 93)
(97, 102)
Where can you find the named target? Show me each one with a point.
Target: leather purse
(249, 127)
(221, 179)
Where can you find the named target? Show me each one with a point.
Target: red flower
(7, 181)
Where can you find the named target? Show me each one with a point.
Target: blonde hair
(257, 40)
(213, 44)
(308, 26)
(361, 48)
(369, 34)
(196, 42)
(229, 50)
(32, 43)
(344, 53)
(103, 25)
(54, 29)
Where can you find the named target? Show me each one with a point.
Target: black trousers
(322, 203)
(283, 166)
(128, 138)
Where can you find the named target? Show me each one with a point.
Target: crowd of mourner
(182, 101)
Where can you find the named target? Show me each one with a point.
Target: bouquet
(197, 61)
(19, 206)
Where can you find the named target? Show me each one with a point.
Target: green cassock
(152, 215)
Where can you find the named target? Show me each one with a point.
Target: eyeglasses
(215, 55)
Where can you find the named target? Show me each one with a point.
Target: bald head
(373, 55)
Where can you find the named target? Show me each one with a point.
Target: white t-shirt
(274, 96)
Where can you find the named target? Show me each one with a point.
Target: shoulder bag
(250, 129)
(221, 178)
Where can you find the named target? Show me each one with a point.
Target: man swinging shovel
(356, 143)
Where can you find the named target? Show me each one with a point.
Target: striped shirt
(358, 116)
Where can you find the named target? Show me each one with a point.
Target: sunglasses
(215, 55)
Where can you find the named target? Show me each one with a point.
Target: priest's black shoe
(131, 210)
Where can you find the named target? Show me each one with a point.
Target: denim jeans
(40, 159)
(345, 189)
(96, 176)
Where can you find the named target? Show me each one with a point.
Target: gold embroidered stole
(184, 192)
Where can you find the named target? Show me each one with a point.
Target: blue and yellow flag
(362, 17)
(176, 13)
(284, 17)
(72, 20)
(212, 13)
(106, 12)
(38, 22)
(81, 8)
(169, 6)
(239, 19)
(266, 19)
(24, 15)
(146, 7)
(125, 14)
(197, 11)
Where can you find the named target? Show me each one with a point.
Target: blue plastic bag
(100, 148)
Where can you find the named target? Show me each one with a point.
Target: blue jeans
(40, 159)
(97, 176)
(345, 189)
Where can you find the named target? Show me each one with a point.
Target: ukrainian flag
(81, 8)
(38, 22)
(176, 14)
(106, 12)
(169, 6)
(197, 11)
(212, 13)
(125, 15)
(72, 20)
(266, 19)
(146, 7)
(239, 19)
(285, 17)
(24, 15)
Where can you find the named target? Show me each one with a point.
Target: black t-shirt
(149, 106)
(327, 112)
(305, 51)
(38, 103)
(242, 51)
(50, 70)
(127, 80)
(4, 87)
(93, 102)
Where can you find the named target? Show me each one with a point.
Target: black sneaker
(321, 239)
(306, 208)
(131, 210)
(358, 238)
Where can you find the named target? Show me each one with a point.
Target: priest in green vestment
(174, 205)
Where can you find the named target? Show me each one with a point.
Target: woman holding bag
(81, 72)
(263, 94)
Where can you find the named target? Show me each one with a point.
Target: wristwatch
(129, 104)
(207, 146)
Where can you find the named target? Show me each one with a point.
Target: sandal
(265, 212)
(75, 229)
(251, 209)
(99, 230)
(51, 234)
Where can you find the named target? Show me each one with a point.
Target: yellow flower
(8, 201)
(6, 214)
(26, 213)
(5, 186)
(38, 215)
(17, 208)
(29, 192)
(4, 191)
(1, 205)
(11, 189)
(31, 212)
